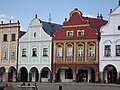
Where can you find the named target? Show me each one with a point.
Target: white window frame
(45, 52)
(80, 51)
(59, 52)
(80, 31)
(69, 33)
(117, 50)
(69, 51)
(34, 52)
(4, 55)
(107, 52)
(24, 52)
(91, 51)
(12, 55)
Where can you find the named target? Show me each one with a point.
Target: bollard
(60, 87)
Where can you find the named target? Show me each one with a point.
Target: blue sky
(25, 10)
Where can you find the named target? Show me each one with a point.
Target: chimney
(101, 16)
(110, 10)
(98, 15)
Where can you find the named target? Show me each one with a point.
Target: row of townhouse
(83, 49)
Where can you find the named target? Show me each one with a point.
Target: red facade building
(76, 46)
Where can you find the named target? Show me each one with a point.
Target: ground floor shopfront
(75, 73)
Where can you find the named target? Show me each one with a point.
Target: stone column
(39, 77)
(101, 77)
(74, 77)
(28, 79)
(5, 78)
(96, 76)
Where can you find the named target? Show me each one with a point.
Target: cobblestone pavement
(74, 86)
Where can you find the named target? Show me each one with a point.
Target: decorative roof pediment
(76, 18)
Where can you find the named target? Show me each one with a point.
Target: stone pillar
(5, 78)
(28, 79)
(118, 75)
(96, 76)
(101, 77)
(39, 77)
(54, 79)
(74, 77)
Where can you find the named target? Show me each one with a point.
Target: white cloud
(89, 15)
(6, 18)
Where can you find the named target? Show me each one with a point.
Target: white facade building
(109, 47)
(35, 52)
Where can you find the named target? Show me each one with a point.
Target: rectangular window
(69, 51)
(12, 55)
(107, 50)
(4, 55)
(80, 51)
(117, 50)
(34, 52)
(5, 37)
(24, 51)
(45, 51)
(80, 33)
(69, 33)
(59, 52)
(91, 51)
(118, 27)
(13, 37)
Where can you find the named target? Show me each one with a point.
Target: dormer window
(80, 33)
(69, 33)
(118, 27)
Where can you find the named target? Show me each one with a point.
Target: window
(91, 51)
(80, 51)
(107, 51)
(24, 51)
(69, 33)
(34, 52)
(69, 51)
(5, 37)
(117, 50)
(59, 52)
(35, 34)
(45, 51)
(118, 27)
(80, 33)
(13, 37)
(12, 55)
(4, 55)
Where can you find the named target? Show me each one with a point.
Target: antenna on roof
(50, 19)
